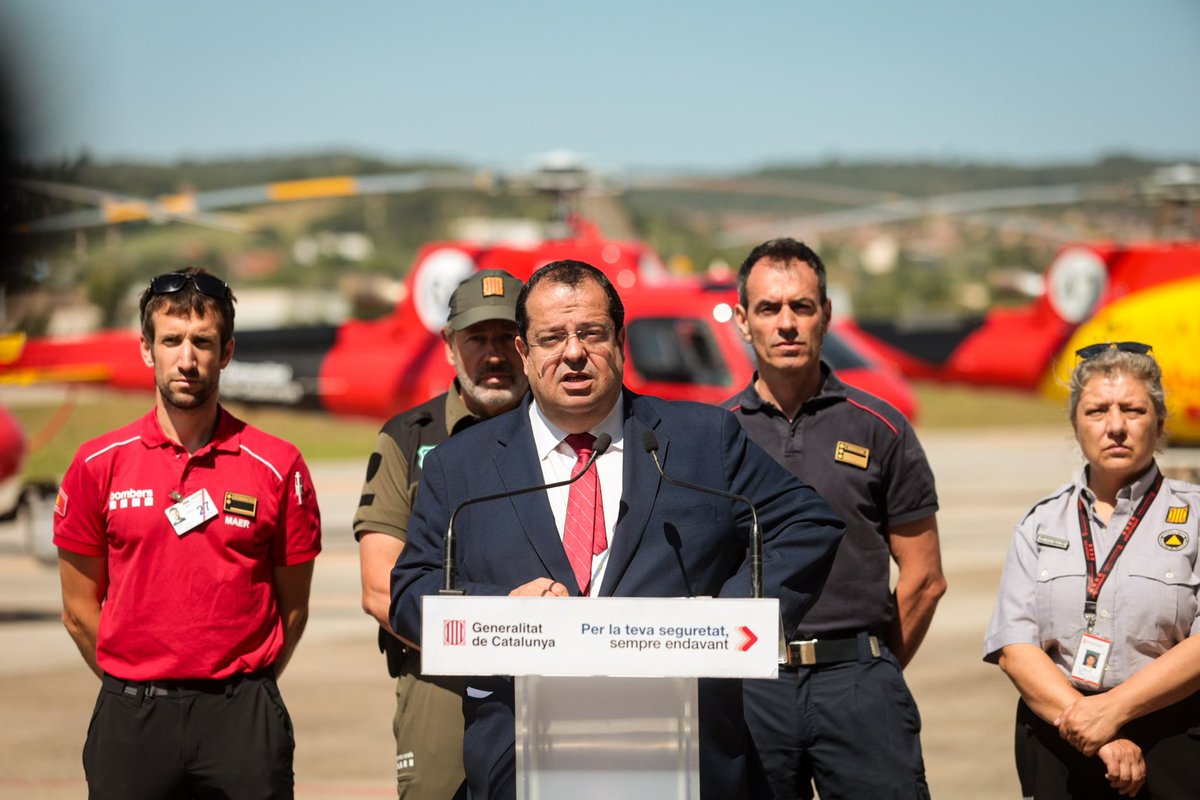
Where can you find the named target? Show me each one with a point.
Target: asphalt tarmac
(341, 698)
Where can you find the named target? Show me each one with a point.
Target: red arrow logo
(750, 639)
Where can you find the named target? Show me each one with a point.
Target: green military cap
(488, 294)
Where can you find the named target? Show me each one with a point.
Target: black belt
(815, 652)
(180, 688)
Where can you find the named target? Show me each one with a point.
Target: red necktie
(583, 534)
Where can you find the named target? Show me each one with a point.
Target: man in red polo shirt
(186, 544)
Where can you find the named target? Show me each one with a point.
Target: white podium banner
(632, 637)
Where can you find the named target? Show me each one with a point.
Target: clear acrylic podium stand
(604, 738)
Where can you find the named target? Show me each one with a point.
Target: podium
(605, 687)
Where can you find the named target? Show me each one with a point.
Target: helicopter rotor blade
(953, 204)
(195, 208)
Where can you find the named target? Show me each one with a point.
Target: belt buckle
(808, 652)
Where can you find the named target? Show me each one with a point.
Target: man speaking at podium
(620, 531)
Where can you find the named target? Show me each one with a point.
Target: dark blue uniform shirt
(863, 457)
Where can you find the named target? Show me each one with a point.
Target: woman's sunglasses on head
(1093, 350)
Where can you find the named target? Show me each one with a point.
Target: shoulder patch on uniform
(373, 464)
(1173, 539)
(423, 451)
(1177, 515)
(241, 504)
(1050, 541)
(853, 454)
(60, 503)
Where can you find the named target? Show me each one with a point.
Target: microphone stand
(650, 443)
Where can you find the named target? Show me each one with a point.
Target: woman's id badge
(1090, 658)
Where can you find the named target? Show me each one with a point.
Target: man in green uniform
(478, 337)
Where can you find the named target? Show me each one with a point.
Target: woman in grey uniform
(1096, 622)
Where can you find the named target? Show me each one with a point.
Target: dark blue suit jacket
(668, 542)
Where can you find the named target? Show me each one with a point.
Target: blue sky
(637, 85)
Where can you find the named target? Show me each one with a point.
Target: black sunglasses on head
(173, 282)
(1093, 350)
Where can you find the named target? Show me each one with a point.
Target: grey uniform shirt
(1147, 605)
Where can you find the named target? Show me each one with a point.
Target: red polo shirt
(201, 604)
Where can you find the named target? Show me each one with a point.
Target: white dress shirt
(558, 459)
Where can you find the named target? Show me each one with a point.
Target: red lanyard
(1096, 578)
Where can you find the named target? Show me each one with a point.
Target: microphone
(650, 442)
(449, 574)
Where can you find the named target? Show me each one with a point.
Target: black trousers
(191, 739)
(852, 729)
(1049, 768)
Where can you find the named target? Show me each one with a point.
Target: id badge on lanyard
(1091, 657)
(1092, 652)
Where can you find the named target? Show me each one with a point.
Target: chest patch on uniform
(1050, 541)
(241, 504)
(423, 451)
(853, 454)
(1173, 539)
(1177, 515)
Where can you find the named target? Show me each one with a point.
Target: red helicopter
(1145, 291)
(12, 456)
(681, 342)
(27, 505)
(1098, 291)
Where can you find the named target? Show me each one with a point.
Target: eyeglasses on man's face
(594, 335)
(172, 282)
(1093, 350)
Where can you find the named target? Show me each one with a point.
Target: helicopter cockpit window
(839, 355)
(676, 350)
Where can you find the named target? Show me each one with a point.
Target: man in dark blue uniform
(840, 715)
